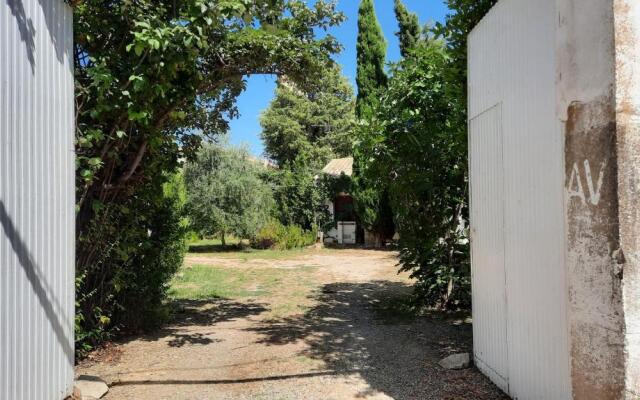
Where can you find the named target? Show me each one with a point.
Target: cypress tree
(371, 50)
(409, 28)
(369, 191)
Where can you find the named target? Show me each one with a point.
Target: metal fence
(36, 200)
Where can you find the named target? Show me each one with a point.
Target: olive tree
(225, 193)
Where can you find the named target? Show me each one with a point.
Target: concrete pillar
(627, 39)
(598, 52)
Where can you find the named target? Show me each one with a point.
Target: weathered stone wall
(627, 50)
(587, 107)
(598, 103)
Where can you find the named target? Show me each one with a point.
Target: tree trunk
(222, 239)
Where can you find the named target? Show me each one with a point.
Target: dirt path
(344, 344)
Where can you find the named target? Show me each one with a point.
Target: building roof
(339, 166)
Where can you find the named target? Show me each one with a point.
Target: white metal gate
(37, 199)
(517, 202)
(487, 238)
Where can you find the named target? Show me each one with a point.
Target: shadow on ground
(350, 330)
(361, 330)
(271, 378)
(203, 313)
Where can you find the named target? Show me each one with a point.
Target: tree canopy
(225, 192)
(314, 124)
(302, 130)
(153, 73)
(408, 28)
(414, 145)
(371, 49)
(152, 79)
(300, 199)
(423, 148)
(464, 16)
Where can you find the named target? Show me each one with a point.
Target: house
(341, 205)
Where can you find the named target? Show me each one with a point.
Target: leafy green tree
(300, 198)
(316, 124)
(302, 130)
(225, 193)
(409, 31)
(139, 247)
(370, 195)
(153, 78)
(371, 50)
(423, 144)
(418, 133)
(464, 16)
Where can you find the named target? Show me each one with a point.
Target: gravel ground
(344, 346)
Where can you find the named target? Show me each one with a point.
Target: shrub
(275, 235)
(422, 154)
(138, 253)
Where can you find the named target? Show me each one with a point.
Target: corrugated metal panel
(512, 64)
(488, 280)
(36, 200)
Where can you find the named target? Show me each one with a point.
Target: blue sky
(246, 129)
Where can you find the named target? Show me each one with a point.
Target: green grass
(207, 282)
(253, 254)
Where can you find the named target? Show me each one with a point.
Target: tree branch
(136, 162)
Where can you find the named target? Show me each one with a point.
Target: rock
(456, 361)
(89, 387)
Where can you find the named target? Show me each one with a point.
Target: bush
(275, 235)
(422, 154)
(139, 251)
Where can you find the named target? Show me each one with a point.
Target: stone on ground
(89, 387)
(456, 361)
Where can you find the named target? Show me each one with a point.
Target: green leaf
(94, 162)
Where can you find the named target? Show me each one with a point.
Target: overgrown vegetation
(370, 192)
(416, 143)
(302, 130)
(152, 79)
(275, 235)
(423, 145)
